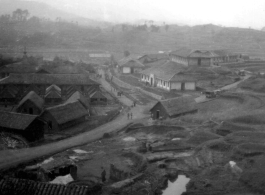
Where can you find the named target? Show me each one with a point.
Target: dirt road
(11, 158)
(203, 98)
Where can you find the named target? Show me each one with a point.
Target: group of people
(129, 115)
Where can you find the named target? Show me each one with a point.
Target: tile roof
(185, 52)
(178, 105)
(17, 186)
(130, 62)
(166, 71)
(156, 63)
(182, 77)
(57, 79)
(34, 98)
(67, 112)
(14, 120)
(156, 56)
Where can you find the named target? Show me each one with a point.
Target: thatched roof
(65, 69)
(53, 95)
(9, 92)
(34, 98)
(53, 87)
(14, 120)
(78, 96)
(30, 187)
(17, 68)
(48, 79)
(67, 112)
(179, 105)
(98, 94)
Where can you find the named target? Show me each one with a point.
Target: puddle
(177, 187)
(129, 139)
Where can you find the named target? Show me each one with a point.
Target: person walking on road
(128, 115)
(131, 115)
(103, 175)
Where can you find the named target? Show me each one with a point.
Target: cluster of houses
(35, 101)
(172, 71)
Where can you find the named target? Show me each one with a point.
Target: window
(50, 125)
(30, 110)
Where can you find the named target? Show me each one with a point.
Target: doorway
(157, 114)
(199, 61)
(152, 81)
(182, 86)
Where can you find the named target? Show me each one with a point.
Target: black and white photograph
(132, 97)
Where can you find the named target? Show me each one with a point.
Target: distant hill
(44, 10)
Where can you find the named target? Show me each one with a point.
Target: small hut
(98, 98)
(64, 115)
(173, 107)
(28, 126)
(53, 95)
(30, 104)
(77, 96)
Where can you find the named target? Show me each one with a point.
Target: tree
(20, 15)
(25, 14)
(166, 27)
(126, 53)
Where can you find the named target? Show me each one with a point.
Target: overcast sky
(238, 13)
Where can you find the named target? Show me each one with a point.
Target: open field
(226, 107)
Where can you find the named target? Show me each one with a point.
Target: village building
(30, 88)
(80, 82)
(98, 98)
(130, 66)
(148, 58)
(169, 76)
(6, 70)
(9, 95)
(30, 104)
(174, 107)
(190, 57)
(33, 187)
(64, 115)
(30, 127)
(53, 95)
(77, 96)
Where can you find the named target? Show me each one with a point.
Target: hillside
(43, 10)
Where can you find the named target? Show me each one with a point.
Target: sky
(236, 13)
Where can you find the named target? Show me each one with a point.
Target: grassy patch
(250, 149)
(157, 129)
(253, 176)
(256, 84)
(245, 137)
(227, 127)
(202, 136)
(257, 119)
(218, 145)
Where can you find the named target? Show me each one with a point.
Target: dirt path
(11, 158)
(203, 98)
